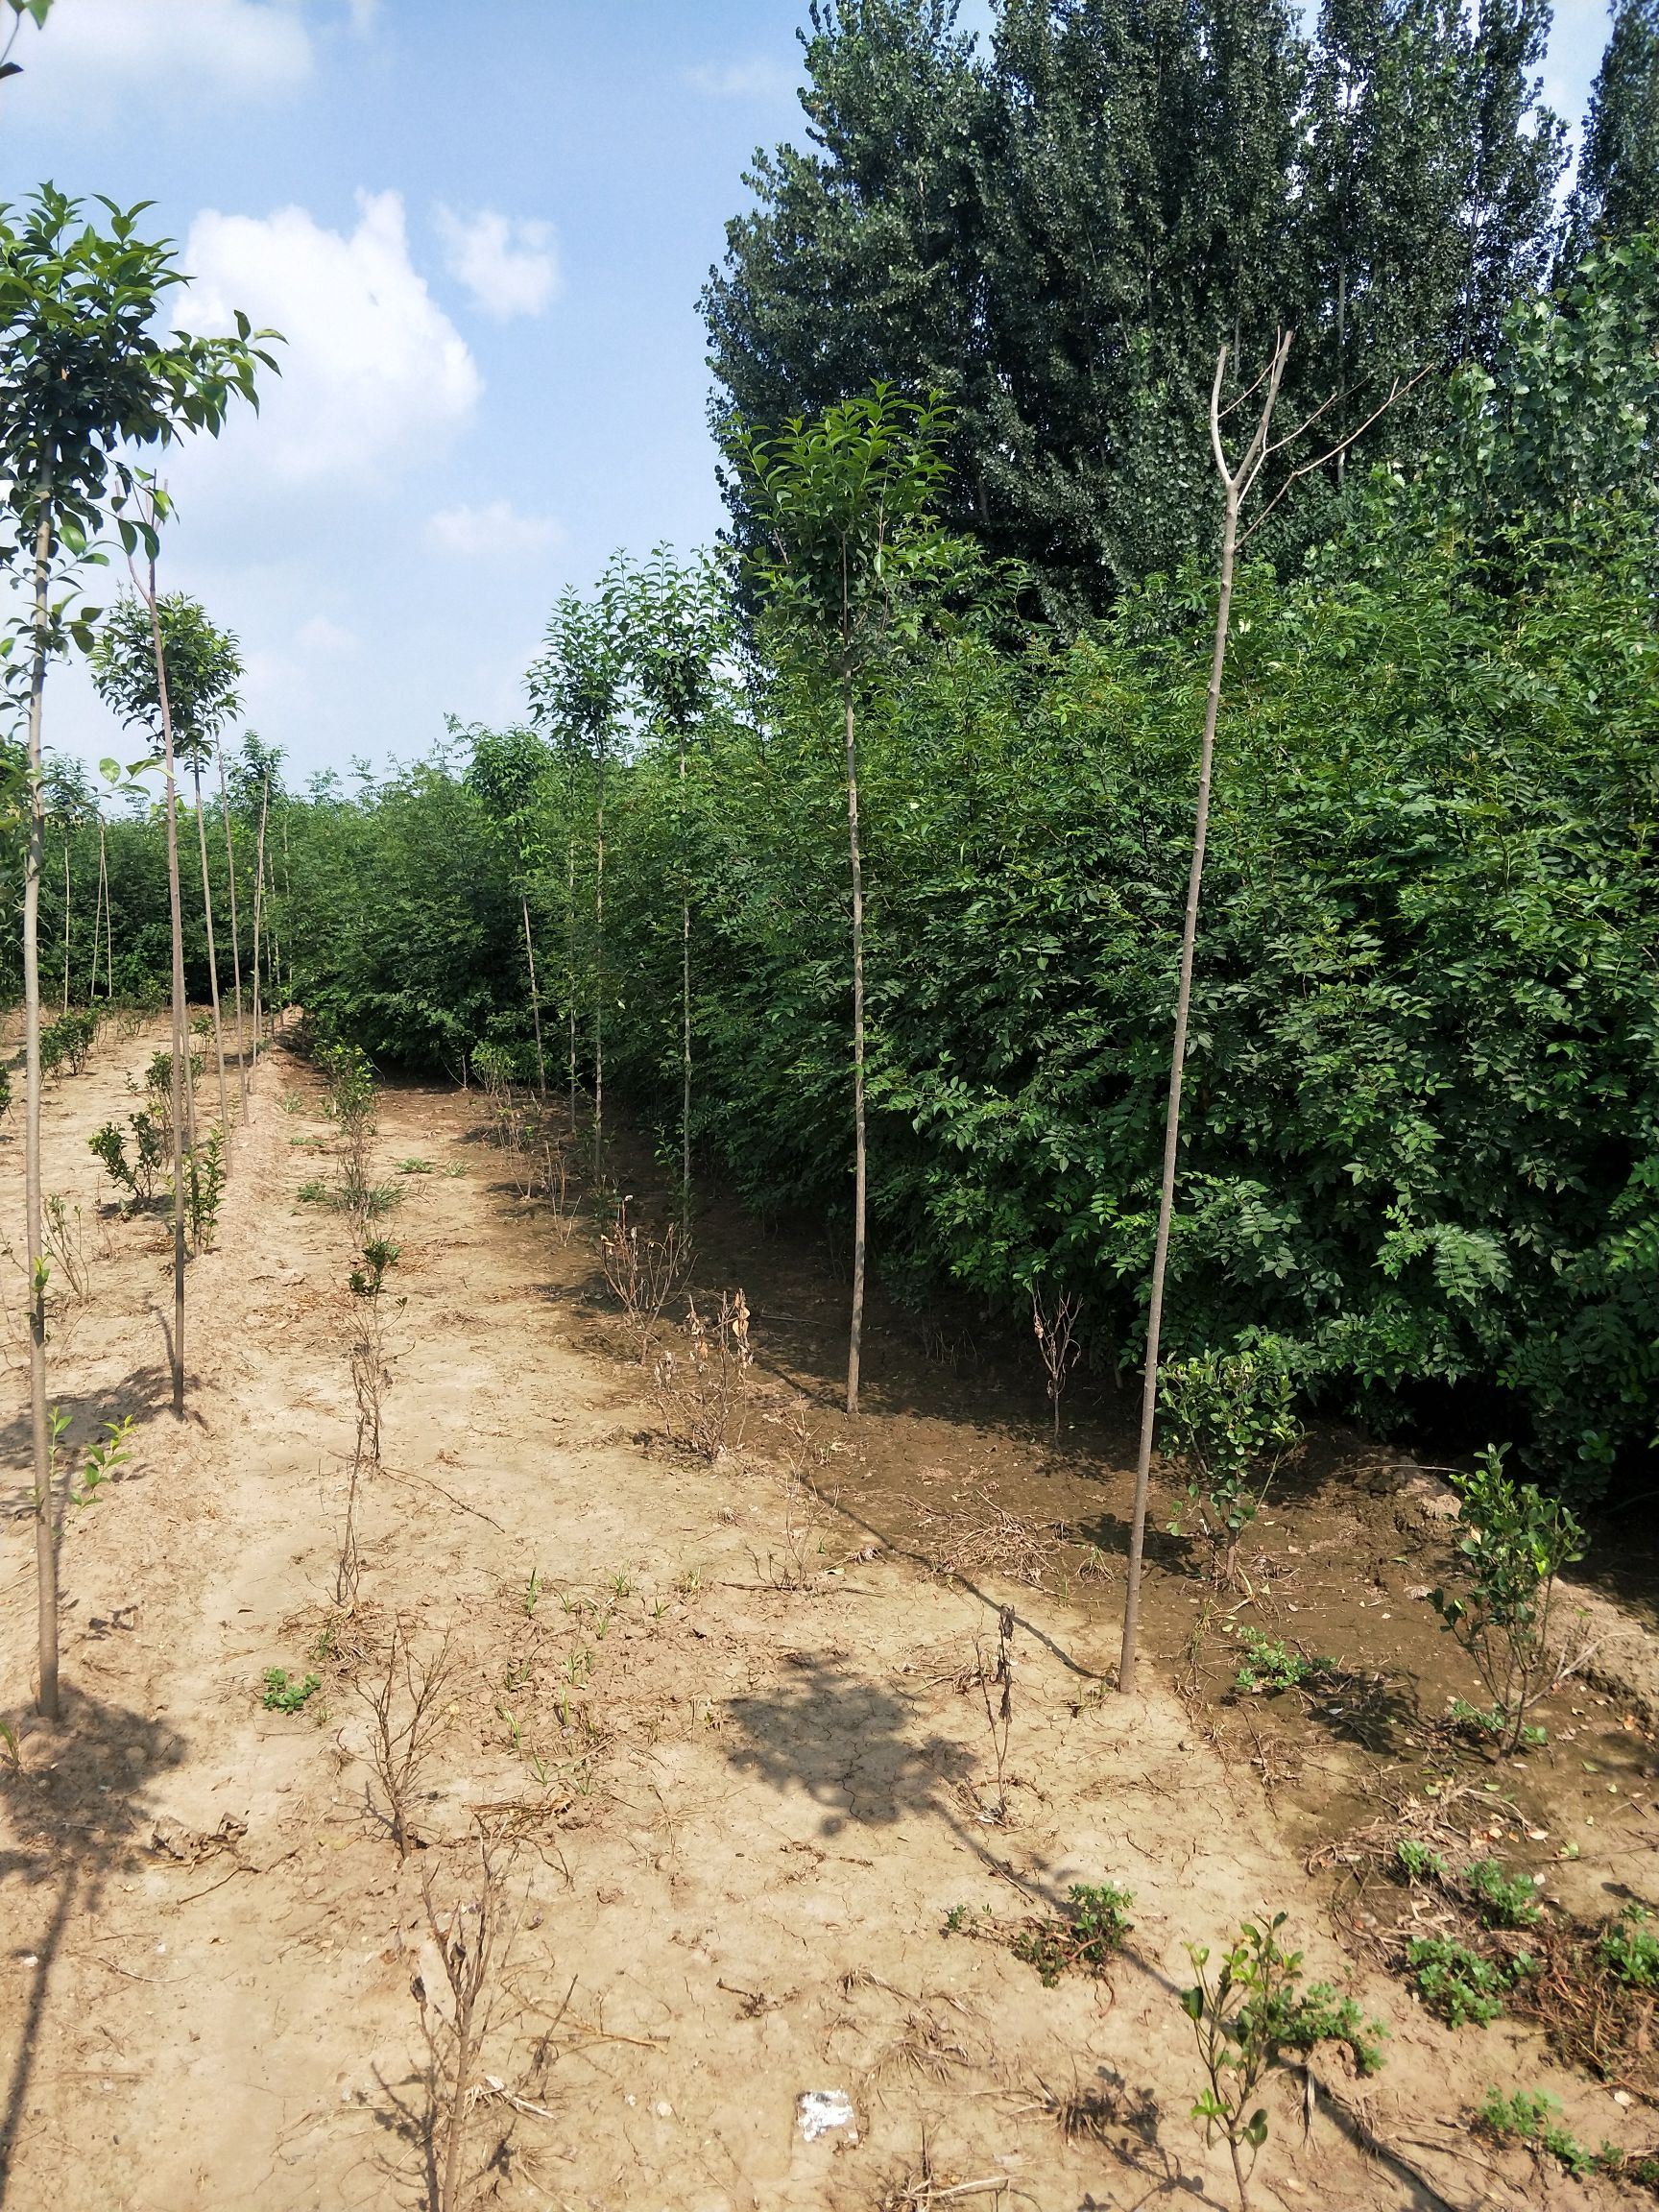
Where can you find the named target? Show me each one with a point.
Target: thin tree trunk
(65, 918)
(259, 909)
(685, 1006)
(1235, 485)
(570, 950)
(182, 1085)
(599, 971)
(97, 917)
(535, 996)
(212, 951)
(45, 1532)
(235, 935)
(860, 1186)
(109, 922)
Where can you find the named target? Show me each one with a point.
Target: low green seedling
(283, 1694)
(1628, 1951)
(1459, 1986)
(1418, 1864)
(1534, 2117)
(1089, 1935)
(414, 1167)
(313, 1193)
(1270, 1665)
(1505, 1903)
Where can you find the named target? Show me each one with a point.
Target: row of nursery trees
(89, 387)
(871, 895)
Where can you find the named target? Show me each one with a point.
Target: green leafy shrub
(1513, 1544)
(1271, 1666)
(1534, 2117)
(284, 1695)
(1230, 1416)
(1505, 1903)
(1418, 1862)
(1629, 1951)
(1090, 1935)
(1457, 1984)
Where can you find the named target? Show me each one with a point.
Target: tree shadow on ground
(73, 1823)
(853, 1746)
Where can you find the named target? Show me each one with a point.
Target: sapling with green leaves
(1247, 2012)
(852, 553)
(1513, 1543)
(203, 668)
(575, 691)
(677, 625)
(1230, 1416)
(86, 381)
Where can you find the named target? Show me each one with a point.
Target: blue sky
(484, 229)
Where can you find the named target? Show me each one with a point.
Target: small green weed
(1457, 1984)
(313, 1193)
(292, 1101)
(283, 1694)
(1533, 2117)
(533, 1590)
(1628, 1951)
(414, 1167)
(1418, 1864)
(1270, 1665)
(1508, 1903)
(1089, 1935)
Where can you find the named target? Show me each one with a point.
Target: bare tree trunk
(98, 916)
(535, 996)
(259, 909)
(45, 1532)
(235, 935)
(570, 950)
(182, 1085)
(599, 971)
(108, 921)
(1235, 485)
(212, 951)
(685, 1006)
(860, 1171)
(65, 917)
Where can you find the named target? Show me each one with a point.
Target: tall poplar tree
(1616, 191)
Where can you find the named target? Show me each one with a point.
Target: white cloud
(510, 268)
(758, 80)
(319, 638)
(494, 530)
(247, 47)
(372, 369)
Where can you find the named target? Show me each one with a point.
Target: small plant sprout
(112, 1450)
(1090, 1935)
(1245, 2013)
(1513, 1544)
(533, 1590)
(284, 1695)
(1419, 1864)
(1629, 1949)
(1534, 2118)
(414, 1167)
(1457, 1984)
(1231, 1417)
(1505, 1903)
(1269, 1665)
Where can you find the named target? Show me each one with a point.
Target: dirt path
(740, 1778)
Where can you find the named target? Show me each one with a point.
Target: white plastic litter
(818, 2111)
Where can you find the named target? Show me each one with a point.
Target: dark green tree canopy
(1616, 191)
(1059, 233)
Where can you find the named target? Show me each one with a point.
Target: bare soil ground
(728, 1738)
